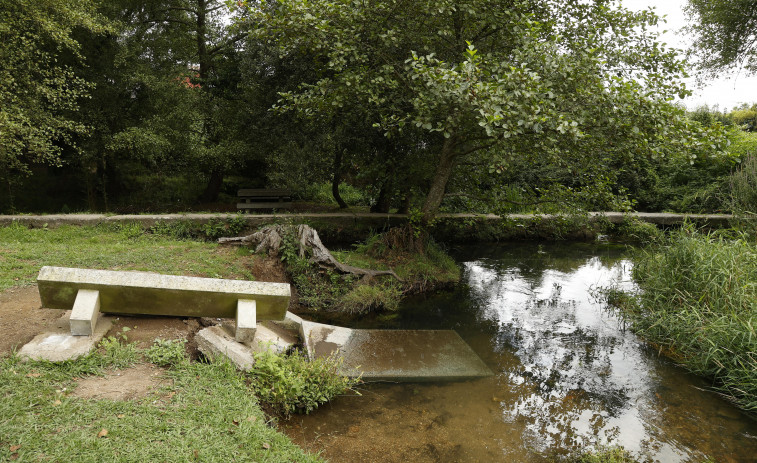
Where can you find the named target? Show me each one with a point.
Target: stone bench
(89, 292)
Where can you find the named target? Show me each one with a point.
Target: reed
(698, 303)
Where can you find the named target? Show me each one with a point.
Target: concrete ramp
(395, 355)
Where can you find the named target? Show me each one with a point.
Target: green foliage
(167, 352)
(725, 32)
(633, 229)
(39, 91)
(744, 187)
(210, 230)
(570, 83)
(698, 303)
(292, 384)
(321, 193)
(372, 298)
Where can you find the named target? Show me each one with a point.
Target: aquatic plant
(698, 304)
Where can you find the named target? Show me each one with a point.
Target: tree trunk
(213, 188)
(384, 201)
(439, 182)
(337, 179)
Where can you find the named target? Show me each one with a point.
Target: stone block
(85, 312)
(59, 345)
(216, 341)
(246, 323)
(156, 294)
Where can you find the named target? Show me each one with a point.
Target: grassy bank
(200, 412)
(418, 270)
(698, 304)
(119, 247)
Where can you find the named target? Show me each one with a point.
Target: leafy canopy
(488, 81)
(726, 33)
(38, 92)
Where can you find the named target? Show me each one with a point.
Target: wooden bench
(263, 199)
(89, 292)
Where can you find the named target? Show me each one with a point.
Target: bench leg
(246, 320)
(85, 312)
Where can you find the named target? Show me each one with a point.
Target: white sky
(726, 91)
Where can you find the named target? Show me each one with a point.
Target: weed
(292, 384)
(167, 352)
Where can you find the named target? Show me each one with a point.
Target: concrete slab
(217, 340)
(272, 337)
(395, 355)
(156, 294)
(59, 345)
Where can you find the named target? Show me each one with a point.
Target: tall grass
(698, 302)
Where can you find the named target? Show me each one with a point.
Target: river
(568, 375)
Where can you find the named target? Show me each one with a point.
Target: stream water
(567, 375)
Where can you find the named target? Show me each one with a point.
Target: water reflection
(569, 375)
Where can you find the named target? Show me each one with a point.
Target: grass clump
(698, 303)
(124, 247)
(292, 384)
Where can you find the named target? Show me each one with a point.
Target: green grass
(208, 413)
(698, 304)
(124, 247)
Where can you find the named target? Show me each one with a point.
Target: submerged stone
(396, 355)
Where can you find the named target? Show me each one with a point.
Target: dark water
(568, 375)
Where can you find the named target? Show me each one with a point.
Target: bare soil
(131, 383)
(22, 317)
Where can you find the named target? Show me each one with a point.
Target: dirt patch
(145, 329)
(269, 269)
(22, 317)
(131, 383)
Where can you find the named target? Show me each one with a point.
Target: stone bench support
(85, 312)
(246, 320)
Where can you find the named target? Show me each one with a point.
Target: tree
(38, 93)
(726, 33)
(486, 82)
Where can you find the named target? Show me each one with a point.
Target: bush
(698, 303)
(292, 384)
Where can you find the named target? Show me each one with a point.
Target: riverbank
(355, 226)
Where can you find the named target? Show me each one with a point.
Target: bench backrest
(264, 193)
(155, 294)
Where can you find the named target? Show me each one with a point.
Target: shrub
(292, 384)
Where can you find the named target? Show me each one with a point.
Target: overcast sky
(726, 91)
